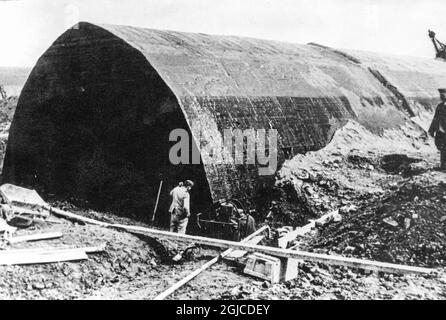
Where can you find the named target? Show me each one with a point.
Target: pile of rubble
(44, 256)
(338, 283)
(124, 259)
(7, 109)
(407, 225)
(356, 165)
(388, 197)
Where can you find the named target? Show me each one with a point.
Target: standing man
(180, 207)
(246, 225)
(438, 128)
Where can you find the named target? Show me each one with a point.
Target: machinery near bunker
(440, 47)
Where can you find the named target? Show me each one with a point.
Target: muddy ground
(387, 189)
(134, 267)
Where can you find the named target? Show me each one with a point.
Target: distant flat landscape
(13, 79)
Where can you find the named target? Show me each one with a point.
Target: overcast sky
(28, 27)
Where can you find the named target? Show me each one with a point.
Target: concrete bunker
(93, 123)
(94, 117)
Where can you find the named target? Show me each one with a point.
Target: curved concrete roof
(249, 76)
(306, 92)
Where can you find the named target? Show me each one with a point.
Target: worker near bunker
(180, 207)
(438, 128)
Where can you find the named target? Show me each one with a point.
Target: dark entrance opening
(95, 118)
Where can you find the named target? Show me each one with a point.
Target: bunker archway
(93, 123)
(94, 117)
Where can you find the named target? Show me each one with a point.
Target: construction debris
(207, 265)
(155, 277)
(264, 267)
(73, 217)
(35, 237)
(388, 229)
(238, 255)
(351, 262)
(285, 253)
(44, 256)
(390, 222)
(22, 207)
(289, 237)
(89, 249)
(334, 219)
(19, 196)
(6, 229)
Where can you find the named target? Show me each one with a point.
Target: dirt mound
(407, 226)
(317, 282)
(356, 165)
(132, 266)
(391, 199)
(125, 259)
(398, 163)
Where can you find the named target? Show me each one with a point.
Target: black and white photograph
(239, 151)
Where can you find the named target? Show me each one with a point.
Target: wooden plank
(285, 253)
(76, 217)
(235, 254)
(22, 210)
(185, 280)
(157, 200)
(42, 257)
(207, 265)
(47, 220)
(252, 238)
(35, 237)
(300, 231)
(15, 194)
(92, 249)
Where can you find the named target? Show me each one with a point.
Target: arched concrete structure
(94, 116)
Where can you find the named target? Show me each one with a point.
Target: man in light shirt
(438, 128)
(180, 207)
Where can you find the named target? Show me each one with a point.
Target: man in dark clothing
(180, 208)
(246, 225)
(438, 128)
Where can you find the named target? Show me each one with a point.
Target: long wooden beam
(185, 280)
(42, 256)
(207, 265)
(375, 266)
(26, 251)
(300, 231)
(75, 217)
(22, 210)
(35, 237)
